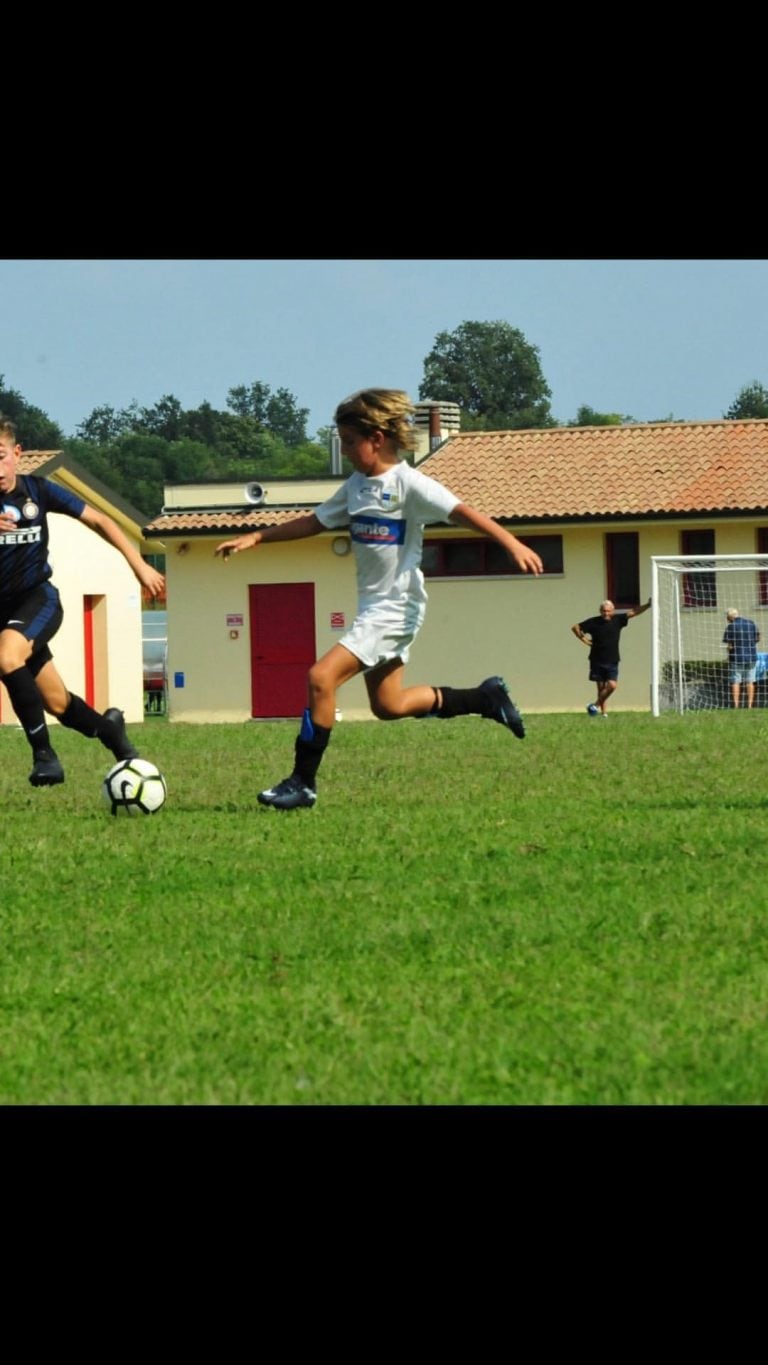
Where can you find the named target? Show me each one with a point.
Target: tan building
(98, 649)
(597, 502)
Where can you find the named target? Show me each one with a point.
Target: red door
(282, 620)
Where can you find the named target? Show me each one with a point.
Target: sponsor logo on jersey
(377, 530)
(374, 490)
(30, 536)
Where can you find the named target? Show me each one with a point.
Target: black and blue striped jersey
(24, 562)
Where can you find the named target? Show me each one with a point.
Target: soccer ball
(134, 787)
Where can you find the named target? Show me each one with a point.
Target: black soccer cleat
(123, 747)
(503, 707)
(289, 794)
(46, 771)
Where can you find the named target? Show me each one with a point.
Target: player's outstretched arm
(524, 557)
(104, 526)
(638, 611)
(298, 529)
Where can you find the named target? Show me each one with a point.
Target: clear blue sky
(647, 338)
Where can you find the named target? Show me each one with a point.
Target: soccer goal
(691, 595)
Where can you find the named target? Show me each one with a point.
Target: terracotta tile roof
(226, 520)
(645, 469)
(32, 460)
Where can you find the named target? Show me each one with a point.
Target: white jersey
(386, 515)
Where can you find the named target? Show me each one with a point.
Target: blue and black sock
(311, 744)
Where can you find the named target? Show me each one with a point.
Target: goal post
(691, 596)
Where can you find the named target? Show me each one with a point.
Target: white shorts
(385, 630)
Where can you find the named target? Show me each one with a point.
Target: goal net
(691, 596)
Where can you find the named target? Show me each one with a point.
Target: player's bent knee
(318, 682)
(382, 711)
(9, 662)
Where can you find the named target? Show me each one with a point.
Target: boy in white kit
(385, 504)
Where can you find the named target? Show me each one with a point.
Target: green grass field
(464, 919)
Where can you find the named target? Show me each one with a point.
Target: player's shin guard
(28, 705)
(311, 744)
(463, 701)
(108, 728)
(81, 717)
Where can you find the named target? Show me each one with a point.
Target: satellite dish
(254, 494)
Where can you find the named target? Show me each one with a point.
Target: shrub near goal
(691, 595)
(134, 787)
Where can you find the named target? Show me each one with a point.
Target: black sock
(311, 744)
(464, 701)
(28, 705)
(82, 717)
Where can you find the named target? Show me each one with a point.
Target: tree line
(488, 369)
(135, 451)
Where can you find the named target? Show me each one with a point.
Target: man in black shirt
(602, 633)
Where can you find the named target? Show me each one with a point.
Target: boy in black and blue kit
(31, 613)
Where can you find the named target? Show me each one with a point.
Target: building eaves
(47, 462)
(235, 521)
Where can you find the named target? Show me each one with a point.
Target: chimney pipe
(335, 452)
(434, 427)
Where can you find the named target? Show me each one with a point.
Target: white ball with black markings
(134, 787)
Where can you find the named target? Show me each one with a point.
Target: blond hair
(387, 410)
(7, 428)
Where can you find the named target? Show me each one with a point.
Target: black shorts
(603, 672)
(37, 617)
